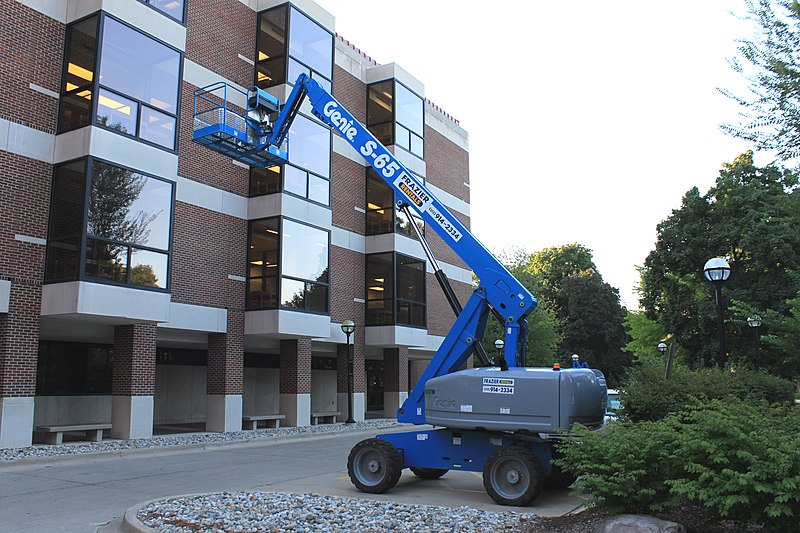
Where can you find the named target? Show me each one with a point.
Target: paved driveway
(83, 493)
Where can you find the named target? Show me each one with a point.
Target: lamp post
(662, 347)
(716, 271)
(499, 344)
(348, 327)
(754, 322)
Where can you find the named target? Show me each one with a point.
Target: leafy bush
(624, 469)
(647, 395)
(739, 460)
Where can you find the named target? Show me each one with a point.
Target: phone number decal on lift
(444, 223)
(492, 389)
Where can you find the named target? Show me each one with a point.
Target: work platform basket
(219, 125)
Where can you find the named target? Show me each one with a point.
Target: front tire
(374, 466)
(513, 476)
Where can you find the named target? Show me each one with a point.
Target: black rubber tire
(513, 476)
(374, 466)
(428, 473)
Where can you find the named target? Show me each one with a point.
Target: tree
(752, 217)
(644, 334)
(543, 325)
(587, 308)
(771, 64)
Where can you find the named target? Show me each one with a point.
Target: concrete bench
(328, 417)
(55, 434)
(252, 421)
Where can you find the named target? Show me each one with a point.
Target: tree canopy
(751, 217)
(770, 63)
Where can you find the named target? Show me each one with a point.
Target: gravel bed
(280, 512)
(75, 448)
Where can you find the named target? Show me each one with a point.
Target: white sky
(587, 120)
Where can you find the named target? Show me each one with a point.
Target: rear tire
(374, 466)
(428, 473)
(513, 476)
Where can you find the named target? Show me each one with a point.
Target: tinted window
(305, 252)
(262, 264)
(310, 44)
(139, 67)
(80, 52)
(380, 284)
(65, 234)
(310, 146)
(171, 8)
(67, 368)
(409, 110)
(271, 53)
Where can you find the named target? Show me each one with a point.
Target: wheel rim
(369, 466)
(510, 478)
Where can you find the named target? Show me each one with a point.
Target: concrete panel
(16, 422)
(345, 149)
(348, 240)
(297, 409)
(52, 410)
(446, 127)
(224, 412)
(196, 318)
(31, 143)
(54, 10)
(452, 203)
(305, 211)
(133, 154)
(392, 402)
(5, 295)
(359, 406)
(323, 390)
(196, 193)
(287, 323)
(95, 299)
(132, 417)
(180, 394)
(261, 392)
(395, 336)
(411, 162)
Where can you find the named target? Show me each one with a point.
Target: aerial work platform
(221, 126)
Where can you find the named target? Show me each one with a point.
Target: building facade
(148, 282)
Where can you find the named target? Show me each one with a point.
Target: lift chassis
(495, 420)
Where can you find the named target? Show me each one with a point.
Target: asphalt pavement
(83, 493)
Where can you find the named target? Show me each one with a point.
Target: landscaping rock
(629, 523)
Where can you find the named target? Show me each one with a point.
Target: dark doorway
(374, 385)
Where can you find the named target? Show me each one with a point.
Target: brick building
(147, 281)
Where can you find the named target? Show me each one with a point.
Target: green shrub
(646, 395)
(738, 459)
(624, 469)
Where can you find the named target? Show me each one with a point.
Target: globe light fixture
(717, 270)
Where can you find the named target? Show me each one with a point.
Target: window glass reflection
(310, 146)
(157, 127)
(106, 261)
(295, 180)
(305, 252)
(311, 44)
(380, 102)
(66, 221)
(265, 180)
(148, 269)
(129, 207)
(293, 293)
(318, 189)
(139, 67)
(409, 110)
(172, 8)
(117, 112)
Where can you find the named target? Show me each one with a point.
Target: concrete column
(295, 400)
(395, 379)
(133, 381)
(226, 376)
(359, 377)
(19, 345)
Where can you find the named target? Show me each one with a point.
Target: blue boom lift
(499, 420)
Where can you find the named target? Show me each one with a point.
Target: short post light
(662, 347)
(499, 344)
(717, 270)
(754, 322)
(348, 327)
